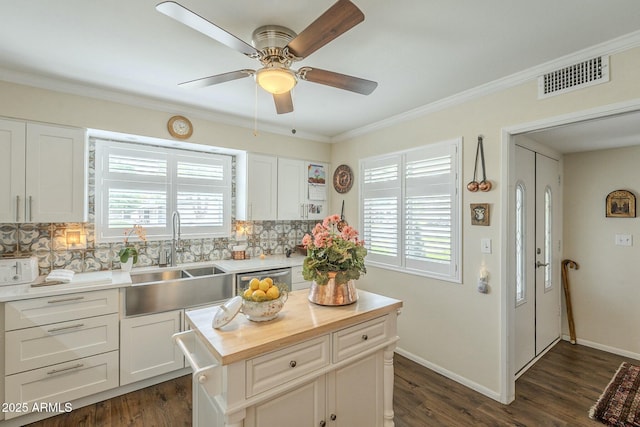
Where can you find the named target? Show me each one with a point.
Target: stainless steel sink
(157, 291)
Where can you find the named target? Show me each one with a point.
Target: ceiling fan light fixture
(276, 80)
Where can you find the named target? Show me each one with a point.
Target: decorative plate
(343, 179)
(226, 312)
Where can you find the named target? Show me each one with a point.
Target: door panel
(536, 254)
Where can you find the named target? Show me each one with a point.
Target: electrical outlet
(624, 240)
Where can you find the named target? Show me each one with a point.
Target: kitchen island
(311, 366)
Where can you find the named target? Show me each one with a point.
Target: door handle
(539, 264)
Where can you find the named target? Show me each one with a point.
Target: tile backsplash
(49, 244)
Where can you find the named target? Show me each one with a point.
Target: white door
(536, 254)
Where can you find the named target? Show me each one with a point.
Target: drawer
(272, 369)
(59, 384)
(358, 338)
(43, 311)
(33, 348)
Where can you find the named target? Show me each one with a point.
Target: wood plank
(299, 320)
(557, 391)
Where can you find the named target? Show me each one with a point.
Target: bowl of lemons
(263, 299)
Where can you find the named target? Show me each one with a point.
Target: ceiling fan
(277, 48)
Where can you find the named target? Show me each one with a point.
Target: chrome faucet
(176, 244)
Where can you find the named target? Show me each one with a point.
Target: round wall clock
(342, 179)
(180, 127)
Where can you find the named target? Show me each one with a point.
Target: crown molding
(127, 98)
(620, 44)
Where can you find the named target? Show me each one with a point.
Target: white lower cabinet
(58, 384)
(297, 281)
(146, 347)
(343, 378)
(347, 397)
(58, 349)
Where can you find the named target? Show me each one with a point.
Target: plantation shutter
(429, 210)
(381, 209)
(139, 184)
(410, 207)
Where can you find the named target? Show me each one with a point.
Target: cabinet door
(262, 183)
(301, 407)
(12, 161)
(146, 347)
(355, 393)
(291, 186)
(55, 174)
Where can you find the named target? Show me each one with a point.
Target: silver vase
(332, 293)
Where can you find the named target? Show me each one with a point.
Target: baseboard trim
(451, 375)
(608, 349)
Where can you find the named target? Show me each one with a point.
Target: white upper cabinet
(256, 187)
(45, 172)
(302, 189)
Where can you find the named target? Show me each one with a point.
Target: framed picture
(479, 213)
(621, 204)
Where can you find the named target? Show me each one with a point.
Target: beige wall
(451, 327)
(605, 290)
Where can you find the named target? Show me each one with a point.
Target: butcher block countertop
(299, 320)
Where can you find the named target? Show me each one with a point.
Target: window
(410, 207)
(140, 184)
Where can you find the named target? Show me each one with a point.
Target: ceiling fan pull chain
(255, 112)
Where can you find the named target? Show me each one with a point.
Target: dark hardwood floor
(557, 391)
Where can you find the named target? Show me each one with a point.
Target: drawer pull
(293, 363)
(333, 417)
(62, 328)
(365, 337)
(323, 423)
(54, 301)
(55, 371)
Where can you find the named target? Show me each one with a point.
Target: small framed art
(621, 204)
(479, 213)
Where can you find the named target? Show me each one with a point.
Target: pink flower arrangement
(130, 251)
(330, 250)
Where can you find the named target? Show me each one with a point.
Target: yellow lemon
(273, 292)
(258, 295)
(268, 280)
(247, 293)
(264, 285)
(254, 284)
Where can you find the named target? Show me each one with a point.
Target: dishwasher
(281, 276)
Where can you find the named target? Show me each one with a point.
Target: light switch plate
(624, 240)
(485, 246)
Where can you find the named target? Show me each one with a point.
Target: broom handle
(567, 297)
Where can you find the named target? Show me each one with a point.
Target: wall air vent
(583, 74)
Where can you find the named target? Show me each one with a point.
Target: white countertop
(97, 280)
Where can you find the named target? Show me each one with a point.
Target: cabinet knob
(323, 423)
(365, 337)
(333, 417)
(293, 363)
(202, 379)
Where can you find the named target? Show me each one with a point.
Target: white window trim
(456, 220)
(164, 233)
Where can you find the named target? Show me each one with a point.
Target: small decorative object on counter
(335, 260)
(263, 299)
(129, 254)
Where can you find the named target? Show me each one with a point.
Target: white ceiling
(419, 51)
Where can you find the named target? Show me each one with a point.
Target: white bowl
(263, 310)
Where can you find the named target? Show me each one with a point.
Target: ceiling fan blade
(337, 80)
(284, 103)
(218, 78)
(198, 23)
(338, 19)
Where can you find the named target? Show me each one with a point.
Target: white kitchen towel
(64, 276)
